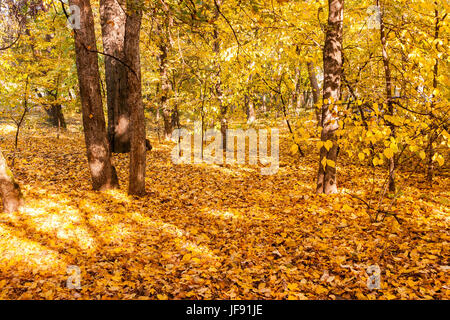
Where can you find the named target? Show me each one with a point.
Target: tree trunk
(433, 136)
(175, 118)
(55, 116)
(390, 110)
(218, 85)
(251, 114)
(113, 18)
(99, 156)
(9, 189)
(165, 88)
(249, 104)
(134, 99)
(315, 89)
(332, 67)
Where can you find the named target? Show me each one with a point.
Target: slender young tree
(314, 87)
(134, 98)
(332, 67)
(98, 153)
(218, 91)
(388, 85)
(165, 86)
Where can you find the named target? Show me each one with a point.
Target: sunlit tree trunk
(99, 156)
(112, 17)
(9, 189)
(249, 104)
(134, 99)
(332, 67)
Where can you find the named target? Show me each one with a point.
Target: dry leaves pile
(214, 232)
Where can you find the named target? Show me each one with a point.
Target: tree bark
(390, 105)
(218, 85)
(332, 67)
(113, 18)
(315, 89)
(433, 136)
(165, 86)
(98, 153)
(134, 99)
(9, 189)
(55, 116)
(249, 104)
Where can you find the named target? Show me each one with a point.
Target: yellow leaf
(321, 290)
(294, 149)
(187, 257)
(346, 208)
(440, 160)
(361, 156)
(388, 153)
(328, 144)
(331, 163)
(292, 286)
(422, 154)
(324, 162)
(394, 147)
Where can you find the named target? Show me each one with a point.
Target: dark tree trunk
(99, 156)
(165, 88)
(9, 189)
(165, 84)
(175, 119)
(332, 68)
(55, 116)
(113, 18)
(134, 99)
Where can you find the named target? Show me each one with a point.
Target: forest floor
(216, 232)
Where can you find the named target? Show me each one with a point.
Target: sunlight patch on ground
(7, 129)
(55, 220)
(157, 225)
(18, 252)
(199, 250)
(222, 214)
(118, 195)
